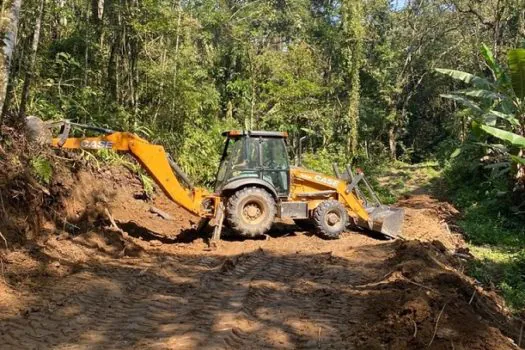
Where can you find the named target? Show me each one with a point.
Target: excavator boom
(153, 157)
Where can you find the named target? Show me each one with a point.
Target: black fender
(240, 183)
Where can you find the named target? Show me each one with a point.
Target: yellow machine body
(313, 188)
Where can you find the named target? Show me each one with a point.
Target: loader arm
(371, 215)
(312, 181)
(152, 157)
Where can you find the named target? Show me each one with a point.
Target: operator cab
(257, 157)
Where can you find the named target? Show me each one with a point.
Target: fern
(42, 169)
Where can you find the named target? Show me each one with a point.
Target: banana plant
(496, 104)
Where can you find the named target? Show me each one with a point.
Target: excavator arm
(152, 157)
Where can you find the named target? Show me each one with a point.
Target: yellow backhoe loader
(255, 183)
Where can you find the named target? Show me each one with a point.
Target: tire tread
(235, 221)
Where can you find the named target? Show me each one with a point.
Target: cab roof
(255, 133)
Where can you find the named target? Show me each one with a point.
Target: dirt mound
(427, 219)
(21, 195)
(426, 302)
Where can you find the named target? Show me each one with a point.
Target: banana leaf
(508, 136)
(517, 70)
(468, 78)
(464, 101)
(496, 114)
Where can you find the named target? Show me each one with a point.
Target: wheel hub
(252, 211)
(333, 219)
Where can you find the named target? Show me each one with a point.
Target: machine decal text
(96, 144)
(329, 182)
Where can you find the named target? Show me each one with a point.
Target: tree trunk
(97, 10)
(112, 70)
(520, 175)
(354, 34)
(10, 32)
(521, 27)
(392, 143)
(177, 44)
(32, 59)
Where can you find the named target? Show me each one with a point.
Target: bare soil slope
(157, 286)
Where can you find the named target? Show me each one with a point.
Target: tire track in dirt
(239, 299)
(312, 312)
(218, 306)
(118, 309)
(224, 310)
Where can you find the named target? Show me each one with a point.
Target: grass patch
(401, 179)
(42, 169)
(503, 269)
(496, 238)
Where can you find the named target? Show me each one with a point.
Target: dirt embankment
(84, 284)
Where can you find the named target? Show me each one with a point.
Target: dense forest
(369, 82)
(358, 77)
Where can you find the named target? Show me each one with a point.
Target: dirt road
(102, 290)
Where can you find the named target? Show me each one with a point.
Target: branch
(474, 12)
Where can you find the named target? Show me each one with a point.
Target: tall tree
(32, 59)
(354, 33)
(9, 31)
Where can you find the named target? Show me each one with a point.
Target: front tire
(330, 218)
(251, 211)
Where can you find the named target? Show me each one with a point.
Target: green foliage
(323, 161)
(517, 71)
(491, 226)
(201, 150)
(42, 168)
(467, 78)
(503, 268)
(512, 138)
(148, 184)
(496, 112)
(168, 70)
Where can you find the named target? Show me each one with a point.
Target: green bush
(323, 160)
(42, 169)
(495, 232)
(201, 150)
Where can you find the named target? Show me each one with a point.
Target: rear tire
(330, 218)
(251, 211)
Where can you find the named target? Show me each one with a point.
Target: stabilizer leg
(215, 238)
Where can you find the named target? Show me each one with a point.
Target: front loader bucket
(385, 220)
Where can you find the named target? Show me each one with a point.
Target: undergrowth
(493, 229)
(42, 169)
(323, 161)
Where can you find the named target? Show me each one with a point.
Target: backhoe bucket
(385, 220)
